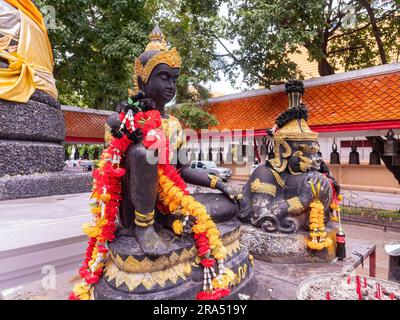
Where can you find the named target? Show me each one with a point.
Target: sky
(223, 86)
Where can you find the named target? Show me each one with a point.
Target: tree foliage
(194, 116)
(94, 45)
(268, 31)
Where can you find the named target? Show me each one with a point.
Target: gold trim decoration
(288, 150)
(131, 264)
(107, 134)
(144, 220)
(233, 236)
(240, 275)
(213, 181)
(278, 165)
(295, 205)
(309, 149)
(169, 57)
(251, 259)
(296, 130)
(148, 280)
(278, 178)
(261, 187)
(294, 172)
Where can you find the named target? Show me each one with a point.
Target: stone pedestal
(31, 150)
(130, 275)
(285, 248)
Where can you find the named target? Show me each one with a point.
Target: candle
(392, 296)
(348, 279)
(358, 287)
(365, 282)
(328, 296)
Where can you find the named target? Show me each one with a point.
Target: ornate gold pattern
(107, 134)
(144, 220)
(173, 130)
(294, 172)
(295, 205)
(308, 149)
(286, 153)
(296, 130)
(169, 57)
(131, 264)
(132, 280)
(261, 187)
(278, 165)
(278, 178)
(240, 275)
(214, 180)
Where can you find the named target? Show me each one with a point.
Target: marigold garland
(318, 234)
(173, 195)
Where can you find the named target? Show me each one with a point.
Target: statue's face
(306, 158)
(161, 86)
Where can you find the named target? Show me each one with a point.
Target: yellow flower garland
(317, 225)
(172, 197)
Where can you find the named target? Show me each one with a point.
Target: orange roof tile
(84, 125)
(363, 100)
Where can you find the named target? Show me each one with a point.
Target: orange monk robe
(31, 67)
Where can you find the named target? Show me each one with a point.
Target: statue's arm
(202, 177)
(198, 177)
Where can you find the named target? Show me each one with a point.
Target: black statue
(148, 260)
(278, 195)
(140, 181)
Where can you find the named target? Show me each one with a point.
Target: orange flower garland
(173, 195)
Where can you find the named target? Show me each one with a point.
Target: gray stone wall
(42, 185)
(31, 150)
(26, 157)
(33, 121)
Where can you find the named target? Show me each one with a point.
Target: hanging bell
(271, 153)
(374, 157)
(335, 157)
(354, 155)
(390, 147)
(263, 147)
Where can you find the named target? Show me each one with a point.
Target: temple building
(344, 109)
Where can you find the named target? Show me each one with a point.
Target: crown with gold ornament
(169, 57)
(292, 124)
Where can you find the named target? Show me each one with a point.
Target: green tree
(94, 44)
(185, 23)
(268, 31)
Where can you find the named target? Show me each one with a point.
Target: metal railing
(358, 208)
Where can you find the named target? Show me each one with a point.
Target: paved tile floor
(20, 215)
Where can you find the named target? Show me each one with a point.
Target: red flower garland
(108, 177)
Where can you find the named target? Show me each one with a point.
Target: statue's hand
(233, 192)
(187, 221)
(313, 177)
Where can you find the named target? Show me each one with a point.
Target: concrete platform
(40, 232)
